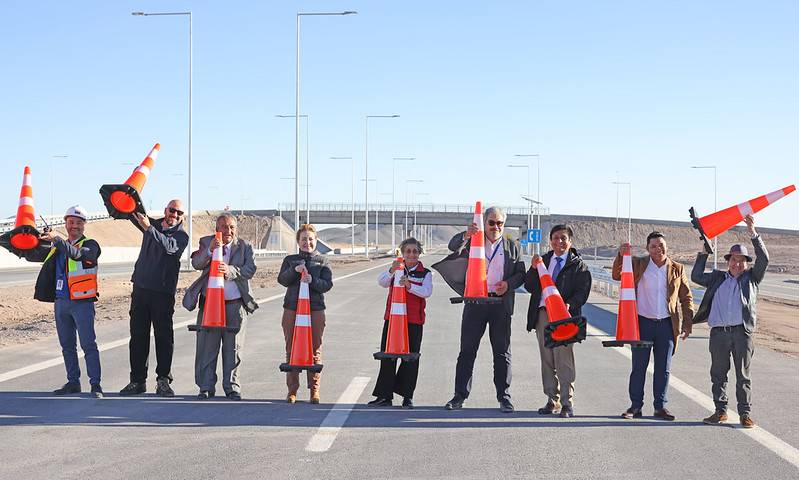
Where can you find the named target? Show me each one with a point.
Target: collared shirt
(651, 292)
(422, 288)
(495, 263)
(551, 270)
(726, 310)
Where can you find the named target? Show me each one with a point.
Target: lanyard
(493, 254)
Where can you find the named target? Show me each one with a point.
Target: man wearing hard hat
(68, 278)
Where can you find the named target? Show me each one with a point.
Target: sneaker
(566, 412)
(455, 403)
(715, 419)
(550, 408)
(97, 391)
(380, 402)
(632, 413)
(162, 388)
(235, 396)
(746, 421)
(505, 406)
(407, 403)
(133, 388)
(68, 388)
(205, 394)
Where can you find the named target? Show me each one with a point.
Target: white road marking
(16, 373)
(783, 449)
(335, 419)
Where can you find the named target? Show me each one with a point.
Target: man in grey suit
(505, 273)
(238, 268)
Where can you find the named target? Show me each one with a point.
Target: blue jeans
(73, 317)
(659, 332)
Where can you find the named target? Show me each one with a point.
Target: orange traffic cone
(214, 306)
(397, 345)
(302, 341)
(713, 225)
(24, 237)
(627, 320)
(476, 289)
(122, 200)
(562, 328)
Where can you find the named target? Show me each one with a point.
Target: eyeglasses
(175, 210)
(492, 223)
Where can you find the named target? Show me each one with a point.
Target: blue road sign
(523, 242)
(534, 235)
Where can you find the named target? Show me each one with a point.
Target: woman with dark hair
(419, 283)
(320, 280)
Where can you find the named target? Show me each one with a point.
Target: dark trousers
(735, 342)
(473, 326)
(401, 381)
(148, 307)
(659, 332)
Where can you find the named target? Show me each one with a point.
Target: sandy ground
(23, 319)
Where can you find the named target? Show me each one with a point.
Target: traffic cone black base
(285, 367)
(121, 201)
(407, 357)
(631, 343)
(200, 328)
(479, 301)
(22, 241)
(695, 223)
(564, 332)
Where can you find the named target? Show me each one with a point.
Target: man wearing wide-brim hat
(729, 307)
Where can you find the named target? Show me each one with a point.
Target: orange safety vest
(82, 282)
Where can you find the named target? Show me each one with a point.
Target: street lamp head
(531, 200)
(526, 155)
(138, 14)
(349, 12)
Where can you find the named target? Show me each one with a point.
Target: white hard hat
(76, 211)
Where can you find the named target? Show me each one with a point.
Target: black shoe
(380, 402)
(566, 412)
(407, 402)
(133, 388)
(162, 388)
(235, 396)
(632, 413)
(455, 404)
(206, 394)
(664, 414)
(97, 391)
(67, 389)
(505, 406)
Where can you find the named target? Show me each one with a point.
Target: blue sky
(645, 89)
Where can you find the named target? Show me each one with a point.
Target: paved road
(263, 437)
(27, 275)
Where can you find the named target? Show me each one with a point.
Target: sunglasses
(175, 210)
(494, 223)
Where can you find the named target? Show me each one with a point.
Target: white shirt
(551, 270)
(651, 292)
(420, 287)
(495, 263)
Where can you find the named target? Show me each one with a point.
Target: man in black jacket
(155, 278)
(505, 273)
(573, 280)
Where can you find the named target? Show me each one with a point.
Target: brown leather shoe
(715, 419)
(664, 414)
(746, 421)
(632, 413)
(550, 408)
(315, 399)
(291, 398)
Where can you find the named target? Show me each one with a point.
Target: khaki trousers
(557, 366)
(317, 329)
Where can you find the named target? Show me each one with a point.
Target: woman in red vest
(419, 283)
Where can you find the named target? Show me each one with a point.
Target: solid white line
(335, 419)
(16, 373)
(786, 451)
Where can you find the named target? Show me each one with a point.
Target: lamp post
(366, 183)
(715, 208)
(393, 198)
(191, 54)
(366, 171)
(538, 194)
(297, 113)
(530, 211)
(307, 162)
(352, 247)
(280, 214)
(629, 208)
(405, 230)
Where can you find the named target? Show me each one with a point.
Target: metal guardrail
(402, 207)
(263, 253)
(604, 283)
(52, 220)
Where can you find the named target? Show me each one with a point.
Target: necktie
(224, 250)
(556, 271)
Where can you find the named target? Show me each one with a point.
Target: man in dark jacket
(155, 278)
(505, 273)
(729, 308)
(573, 280)
(68, 278)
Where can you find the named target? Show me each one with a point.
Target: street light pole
(366, 172)
(393, 198)
(191, 56)
(307, 162)
(715, 209)
(538, 194)
(629, 208)
(352, 228)
(530, 211)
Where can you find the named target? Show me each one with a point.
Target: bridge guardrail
(604, 284)
(402, 207)
(52, 220)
